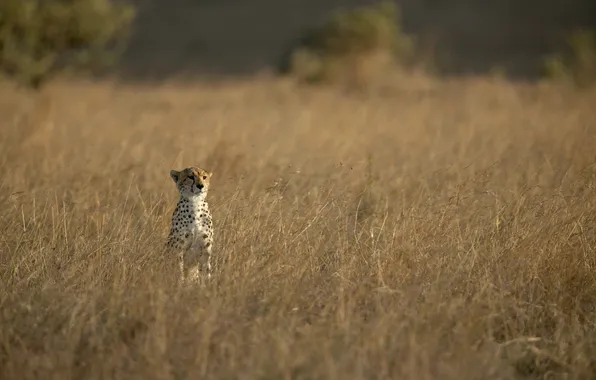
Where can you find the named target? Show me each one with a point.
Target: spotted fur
(191, 234)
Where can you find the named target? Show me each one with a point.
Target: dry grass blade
(466, 251)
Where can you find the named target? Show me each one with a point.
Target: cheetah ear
(209, 174)
(175, 175)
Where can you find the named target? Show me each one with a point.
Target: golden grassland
(431, 229)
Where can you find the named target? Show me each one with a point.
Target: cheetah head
(192, 181)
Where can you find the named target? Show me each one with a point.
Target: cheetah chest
(192, 224)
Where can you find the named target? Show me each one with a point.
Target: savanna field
(430, 229)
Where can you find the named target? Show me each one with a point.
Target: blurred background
(157, 40)
(232, 37)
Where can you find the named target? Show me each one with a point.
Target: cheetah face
(192, 181)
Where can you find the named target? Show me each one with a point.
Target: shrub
(41, 37)
(577, 64)
(353, 44)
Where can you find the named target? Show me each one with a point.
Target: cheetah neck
(194, 203)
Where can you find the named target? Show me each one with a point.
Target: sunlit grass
(426, 230)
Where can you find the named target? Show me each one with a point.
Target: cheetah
(191, 234)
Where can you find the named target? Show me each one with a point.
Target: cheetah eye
(204, 177)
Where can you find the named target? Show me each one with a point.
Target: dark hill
(235, 37)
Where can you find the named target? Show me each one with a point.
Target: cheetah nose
(199, 186)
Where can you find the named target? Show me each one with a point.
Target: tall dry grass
(432, 230)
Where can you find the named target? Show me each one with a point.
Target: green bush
(40, 37)
(577, 64)
(352, 44)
